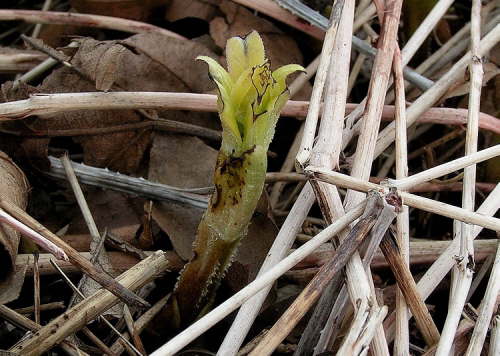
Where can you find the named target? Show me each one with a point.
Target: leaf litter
(152, 62)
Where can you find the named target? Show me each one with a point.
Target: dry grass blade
(311, 293)
(284, 240)
(75, 19)
(305, 148)
(463, 271)
(408, 287)
(87, 310)
(217, 314)
(402, 340)
(42, 104)
(75, 258)
(21, 321)
(412, 200)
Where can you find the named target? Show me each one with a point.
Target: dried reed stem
(446, 168)
(495, 337)
(412, 200)
(74, 19)
(440, 268)
(46, 104)
(78, 260)
(402, 340)
(217, 314)
(326, 153)
(486, 309)
(465, 260)
(32, 234)
(24, 323)
(284, 240)
(85, 311)
(362, 330)
(312, 291)
(432, 95)
(421, 253)
(408, 288)
(19, 61)
(319, 84)
(36, 289)
(423, 30)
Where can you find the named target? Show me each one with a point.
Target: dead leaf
(14, 188)
(139, 10)
(183, 162)
(88, 286)
(144, 62)
(200, 9)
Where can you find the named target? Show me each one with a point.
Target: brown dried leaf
(139, 10)
(184, 162)
(14, 188)
(181, 9)
(178, 57)
(143, 62)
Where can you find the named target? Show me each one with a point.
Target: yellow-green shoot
(250, 98)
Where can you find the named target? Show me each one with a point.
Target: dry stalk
(408, 288)
(86, 330)
(495, 337)
(46, 104)
(423, 30)
(486, 309)
(32, 234)
(36, 289)
(362, 330)
(459, 340)
(402, 340)
(75, 258)
(311, 293)
(421, 253)
(483, 271)
(87, 310)
(46, 267)
(46, 7)
(43, 307)
(336, 311)
(75, 19)
(326, 154)
(409, 199)
(432, 95)
(19, 61)
(305, 149)
(357, 279)
(465, 260)
(141, 323)
(440, 268)
(446, 168)
(266, 278)
(24, 323)
(132, 330)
